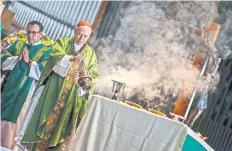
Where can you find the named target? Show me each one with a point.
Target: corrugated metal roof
(111, 18)
(58, 17)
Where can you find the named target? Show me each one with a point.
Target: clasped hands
(24, 55)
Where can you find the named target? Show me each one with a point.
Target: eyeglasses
(32, 32)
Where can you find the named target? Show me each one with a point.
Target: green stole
(17, 83)
(59, 106)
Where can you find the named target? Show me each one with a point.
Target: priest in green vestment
(64, 99)
(25, 61)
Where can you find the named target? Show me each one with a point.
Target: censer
(85, 79)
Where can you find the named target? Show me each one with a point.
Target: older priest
(63, 101)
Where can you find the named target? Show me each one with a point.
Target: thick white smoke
(152, 50)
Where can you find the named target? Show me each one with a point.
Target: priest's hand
(78, 57)
(25, 55)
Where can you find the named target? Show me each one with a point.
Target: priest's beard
(33, 40)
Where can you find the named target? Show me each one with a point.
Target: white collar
(77, 47)
(34, 44)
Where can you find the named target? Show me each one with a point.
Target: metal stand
(194, 92)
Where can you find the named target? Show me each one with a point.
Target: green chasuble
(18, 83)
(50, 103)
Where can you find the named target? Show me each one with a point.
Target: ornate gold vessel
(85, 79)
